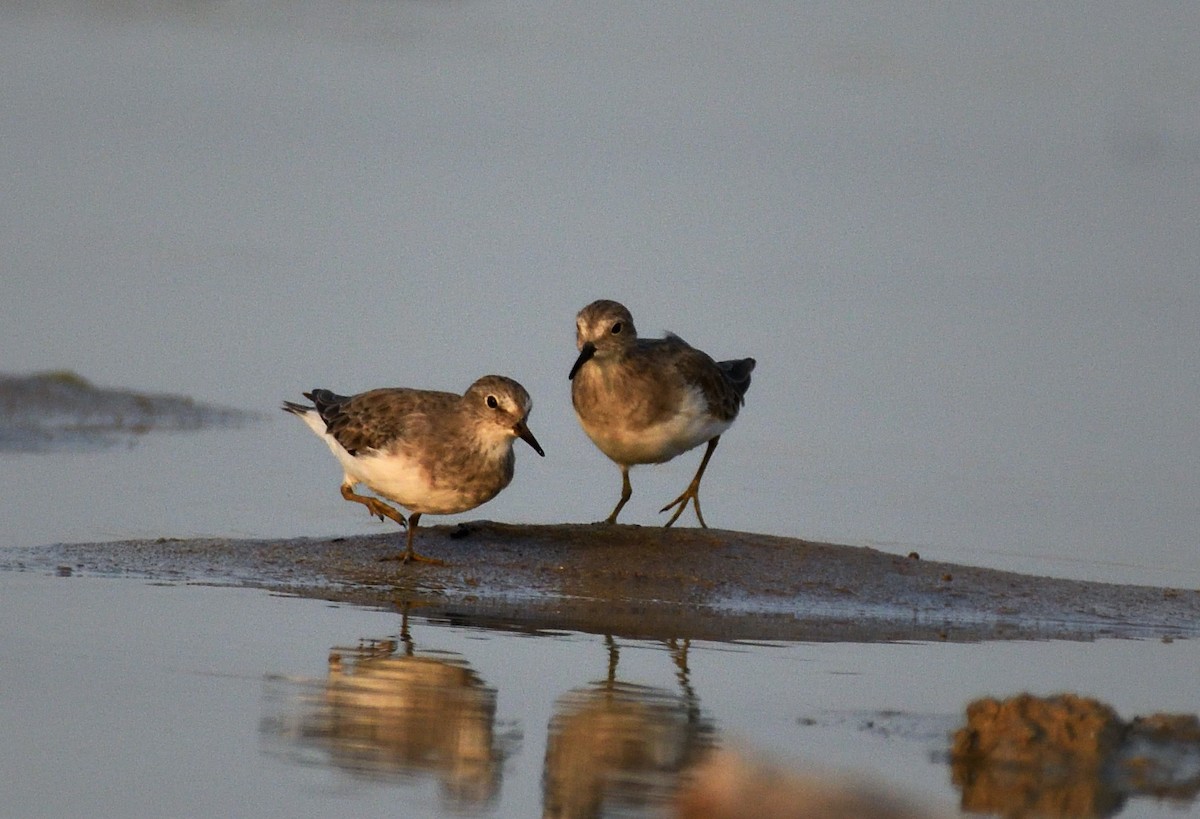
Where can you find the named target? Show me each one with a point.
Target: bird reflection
(614, 744)
(386, 712)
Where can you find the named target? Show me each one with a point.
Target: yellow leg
(374, 505)
(382, 510)
(410, 554)
(692, 492)
(626, 493)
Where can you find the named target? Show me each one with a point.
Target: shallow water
(134, 699)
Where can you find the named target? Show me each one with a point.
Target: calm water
(960, 241)
(122, 698)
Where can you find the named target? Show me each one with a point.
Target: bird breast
(628, 437)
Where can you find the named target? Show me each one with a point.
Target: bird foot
(692, 493)
(375, 506)
(414, 557)
(381, 510)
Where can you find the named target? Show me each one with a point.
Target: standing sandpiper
(644, 401)
(431, 452)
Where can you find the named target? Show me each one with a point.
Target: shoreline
(649, 583)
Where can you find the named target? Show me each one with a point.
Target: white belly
(627, 443)
(405, 482)
(401, 480)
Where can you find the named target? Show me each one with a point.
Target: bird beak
(525, 435)
(585, 353)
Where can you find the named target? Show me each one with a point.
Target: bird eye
(492, 402)
(616, 328)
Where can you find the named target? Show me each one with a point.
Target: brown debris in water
(1069, 756)
(1067, 731)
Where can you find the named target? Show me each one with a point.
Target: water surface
(204, 701)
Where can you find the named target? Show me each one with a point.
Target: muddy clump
(1070, 756)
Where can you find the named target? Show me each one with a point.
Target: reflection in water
(1070, 756)
(384, 713)
(615, 746)
(731, 785)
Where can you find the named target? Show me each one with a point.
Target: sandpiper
(430, 452)
(644, 401)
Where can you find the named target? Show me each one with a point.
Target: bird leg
(626, 493)
(410, 555)
(381, 510)
(374, 505)
(692, 492)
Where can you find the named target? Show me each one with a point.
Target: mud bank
(64, 412)
(651, 583)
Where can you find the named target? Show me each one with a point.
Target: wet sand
(651, 583)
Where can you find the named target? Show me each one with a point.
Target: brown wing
(375, 419)
(724, 384)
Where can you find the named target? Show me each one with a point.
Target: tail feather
(738, 372)
(313, 416)
(294, 408)
(324, 400)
